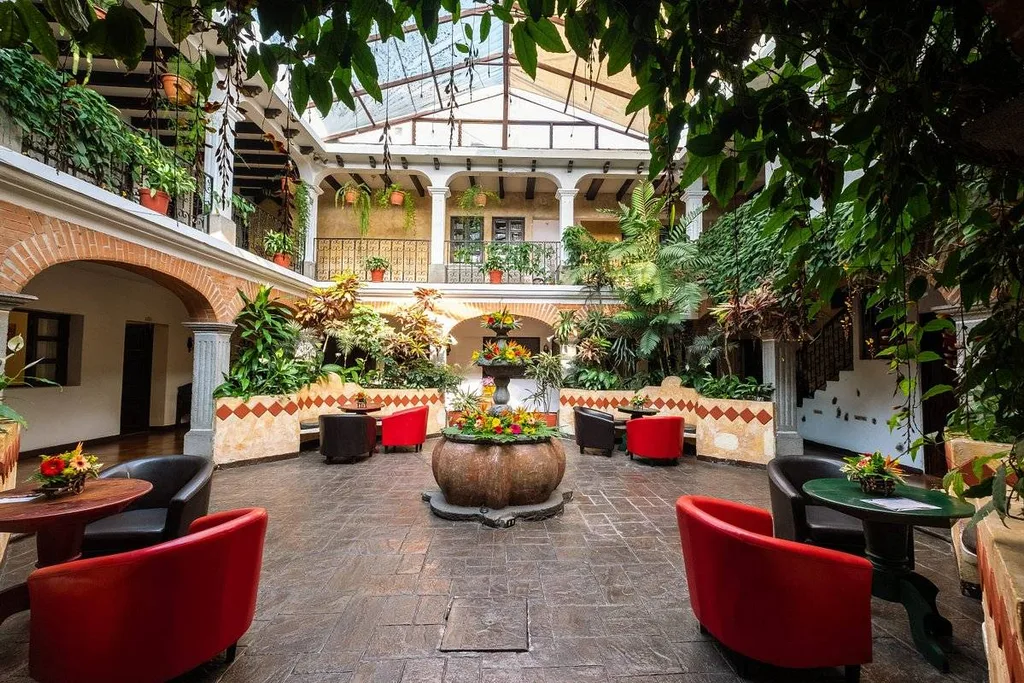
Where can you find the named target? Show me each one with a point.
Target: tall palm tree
(657, 278)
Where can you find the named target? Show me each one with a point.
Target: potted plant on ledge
(281, 246)
(357, 196)
(877, 474)
(163, 181)
(504, 257)
(377, 265)
(475, 198)
(396, 195)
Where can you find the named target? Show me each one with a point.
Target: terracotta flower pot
(283, 260)
(480, 200)
(159, 202)
(100, 13)
(377, 275)
(550, 419)
(350, 197)
(397, 198)
(495, 277)
(178, 89)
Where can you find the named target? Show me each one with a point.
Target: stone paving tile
(358, 576)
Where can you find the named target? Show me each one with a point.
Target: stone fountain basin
(473, 472)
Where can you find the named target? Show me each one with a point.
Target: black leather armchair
(180, 495)
(594, 429)
(344, 438)
(797, 517)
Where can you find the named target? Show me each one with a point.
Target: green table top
(846, 496)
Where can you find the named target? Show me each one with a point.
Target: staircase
(821, 359)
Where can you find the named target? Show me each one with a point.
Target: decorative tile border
(262, 427)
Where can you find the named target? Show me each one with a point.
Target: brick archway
(32, 242)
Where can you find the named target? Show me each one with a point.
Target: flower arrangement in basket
(876, 473)
(500, 322)
(639, 400)
(360, 399)
(66, 472)
(509, 353)
(513, 425)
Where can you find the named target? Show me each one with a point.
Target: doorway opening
(136, 377)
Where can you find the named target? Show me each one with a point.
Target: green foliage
(303, 209)
(467, 200)
(364, 329)
(546, 370)
(383, 200)
(377, 263)
(363, 202)
(242, 209)
(587, 262)
(525, 258)
(737, 254)
(594, 379)
(275, 242)
(733, 387)
(464, 399)
(266, 362)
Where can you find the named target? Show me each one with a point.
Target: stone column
(221, 224)
(566, 208)
(211, 360)
(309, 253)
(693, 200)
(779, 360)
(438, 229)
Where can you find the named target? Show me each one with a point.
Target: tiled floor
(358, 575)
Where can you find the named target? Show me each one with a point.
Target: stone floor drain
(487, 625)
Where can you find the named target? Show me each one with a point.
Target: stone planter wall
(728, 430)
(743, 431)
(10, 444)
(332, 395)
(262, 427)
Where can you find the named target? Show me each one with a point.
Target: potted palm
(547, 372)
(396, 195)
(357, 196)
(377, 265)
(475, 198)
(178, 80)
(281, 246)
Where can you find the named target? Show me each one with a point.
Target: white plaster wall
(853, 412)
(470, 336)
(107, 298)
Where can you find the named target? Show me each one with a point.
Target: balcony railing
(189, 208)
(409, 259)
(249, 235)
(537, 262)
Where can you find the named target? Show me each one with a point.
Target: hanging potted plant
(475, 198)
(396, 195)
(100, 7)
(281, 246)
(377, 265)
(179, 80)
(357, 196)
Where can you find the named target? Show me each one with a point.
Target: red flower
(497, 430)
(51, 467)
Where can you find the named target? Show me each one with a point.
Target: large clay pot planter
(498, 475)
(178, 89)
(397, 198)
(159, 202)
(377, 275)
(480, 200)
(283, 260)
(495, 277)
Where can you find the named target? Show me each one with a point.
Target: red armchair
(780, 602)
(659, 437)
(152, 614)
(404, 428)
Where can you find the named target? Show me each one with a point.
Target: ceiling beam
(501, 187)
(472, 181)
(584, 80)
(621, 194)
(531, 187)
(359, 179)
(419, 185)
(595, 186)
(333, 182)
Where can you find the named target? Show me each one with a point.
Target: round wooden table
(637, 412)
(59, 523)
(886, 537)
(363, 410)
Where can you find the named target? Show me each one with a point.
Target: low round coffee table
(59, 524)
(637, 412)
(886, 537)
(363, 410)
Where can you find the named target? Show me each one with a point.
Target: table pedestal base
(894, 581)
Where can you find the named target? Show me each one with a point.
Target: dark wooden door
(935, 411)
(136, 377)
